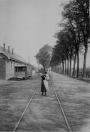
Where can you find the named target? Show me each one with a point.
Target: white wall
(9, 69)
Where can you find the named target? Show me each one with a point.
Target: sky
(27, 25)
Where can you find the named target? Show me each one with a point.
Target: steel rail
(63, 113)
(24, 110)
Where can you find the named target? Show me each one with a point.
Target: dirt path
(43, 115)
(14, 96)
(75, 98)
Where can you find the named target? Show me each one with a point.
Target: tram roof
(20, 65)
(13, 56)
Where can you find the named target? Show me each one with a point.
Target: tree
(77, 12)
(74, 35)
(63, 50)
(44, 56)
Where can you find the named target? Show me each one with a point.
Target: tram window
(20, 69)
(16, 69)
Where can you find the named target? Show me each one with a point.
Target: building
(8, 61)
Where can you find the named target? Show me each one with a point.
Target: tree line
(73, 38)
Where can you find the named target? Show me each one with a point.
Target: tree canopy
(44, 56)
(74, 35)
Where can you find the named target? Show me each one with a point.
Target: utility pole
(29, 59)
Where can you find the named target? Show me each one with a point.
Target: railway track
(28, 104)
(62, 110)
(33, 98)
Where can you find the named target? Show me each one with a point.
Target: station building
(8, 61)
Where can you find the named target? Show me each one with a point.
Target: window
(20, 69)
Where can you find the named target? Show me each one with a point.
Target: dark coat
(43, 89)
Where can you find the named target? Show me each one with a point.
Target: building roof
(13, 56)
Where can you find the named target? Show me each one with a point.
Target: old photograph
(44, 66)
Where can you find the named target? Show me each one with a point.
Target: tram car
(23, 72)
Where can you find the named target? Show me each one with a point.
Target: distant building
(8, 61)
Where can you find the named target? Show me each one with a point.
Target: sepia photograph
(44, 66)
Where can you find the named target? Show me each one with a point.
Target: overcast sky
(27, 25)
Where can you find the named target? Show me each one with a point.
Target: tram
(23, 71)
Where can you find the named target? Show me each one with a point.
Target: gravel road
(43, 114)
(75, 98)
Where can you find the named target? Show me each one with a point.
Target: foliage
(44, 56)
(73, 38)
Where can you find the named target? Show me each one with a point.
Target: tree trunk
(84, 63)
(74, 65)
(55, 69)
(77, 63)
(65, 66)
(70, 66)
